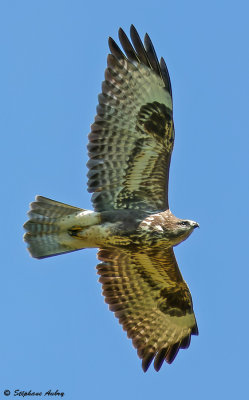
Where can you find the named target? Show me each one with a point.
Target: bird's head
(183, 228)
(179, 229)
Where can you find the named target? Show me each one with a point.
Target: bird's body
(130, 148)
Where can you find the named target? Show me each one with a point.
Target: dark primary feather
(165, 75)
(115, 50)
(126, 44)
(160, 357)
(152, 54)
(139, 47)
(132, 138)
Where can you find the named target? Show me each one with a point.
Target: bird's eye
(183, 223)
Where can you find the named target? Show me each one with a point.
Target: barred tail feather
(48, 228)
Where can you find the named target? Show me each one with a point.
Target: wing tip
(195, 330)
(147, 360)
(167, 354)
(137, 51)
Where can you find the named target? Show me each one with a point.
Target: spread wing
(152, 301)
(132, 138)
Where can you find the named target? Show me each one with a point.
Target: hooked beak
(196, 225)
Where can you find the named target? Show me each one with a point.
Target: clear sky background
(56, 331)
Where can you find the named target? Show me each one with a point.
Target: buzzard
(130, 146)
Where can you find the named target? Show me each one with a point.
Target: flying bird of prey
(130, 146)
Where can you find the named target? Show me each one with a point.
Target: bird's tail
(51, 226)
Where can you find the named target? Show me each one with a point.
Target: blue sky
(56, 330)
